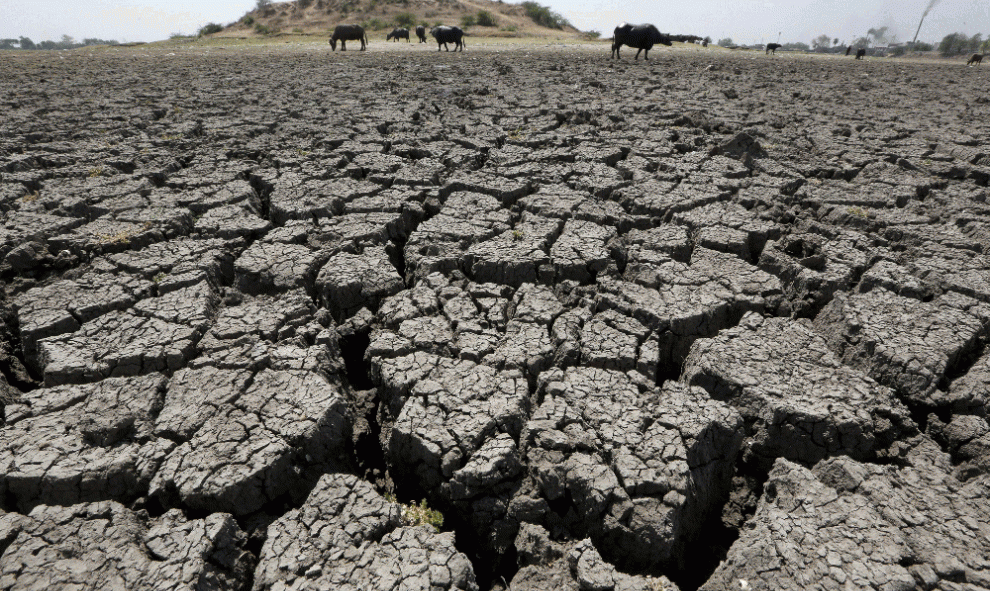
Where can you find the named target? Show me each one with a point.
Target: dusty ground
(716, 319)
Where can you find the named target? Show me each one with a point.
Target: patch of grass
(857, 211)
(421, 514)
(518, 235)
(31, 197)
(95, 172)
(172, 137)
(122, 237)
(159, 277)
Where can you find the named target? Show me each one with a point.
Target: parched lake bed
(718, 319)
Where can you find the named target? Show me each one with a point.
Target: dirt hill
(320, 16)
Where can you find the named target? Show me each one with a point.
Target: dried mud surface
(715, 320)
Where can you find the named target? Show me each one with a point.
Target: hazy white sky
(745, 21)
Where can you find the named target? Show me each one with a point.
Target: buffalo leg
(646, 54)
(636, 57)
(343, 45)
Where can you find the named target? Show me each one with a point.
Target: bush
(467, 20)
(727, 42)
(543, 16)
(263, 30)
(486, 19)
(261, 4)
(209, 29)
(303, 4)
(591, 35)
(405, 19)
(248, 20)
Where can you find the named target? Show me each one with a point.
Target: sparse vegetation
(31, 197)
(210, 28)
(591, 35)
(468, 21)
(727, 42)
(262, 4)
(248, 20)
(263, 29)
(95, 172)
(543, 16)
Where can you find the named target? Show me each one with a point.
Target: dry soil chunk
(804, 404)
(265, 267)
(639, 469)
(251, 452)
(104, 545)
(346, 536)
(83, 443)
(116, 344)
(901, 342)
(863, 526)
(349, 282)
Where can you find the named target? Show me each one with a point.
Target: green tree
(262, 4)
(26, 43)
(8, 43)
(820, 42)
(959, 43)
(727, 42)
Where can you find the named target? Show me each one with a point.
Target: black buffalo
(642, 37)
(397, 34)
(860, 53)
(444, 35)
(773, 47)
(345, 33)
(848, 49)
(976, 59)
(421, 33)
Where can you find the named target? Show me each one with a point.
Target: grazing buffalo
(772, 48)
(642, 37)
(345, 33)
(849, 49)
(397, 34)
(444, 35)
(860, 53)
(421, 33)
(976, 59)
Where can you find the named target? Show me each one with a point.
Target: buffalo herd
(640, 37)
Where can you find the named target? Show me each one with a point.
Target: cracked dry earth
(714, 321)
